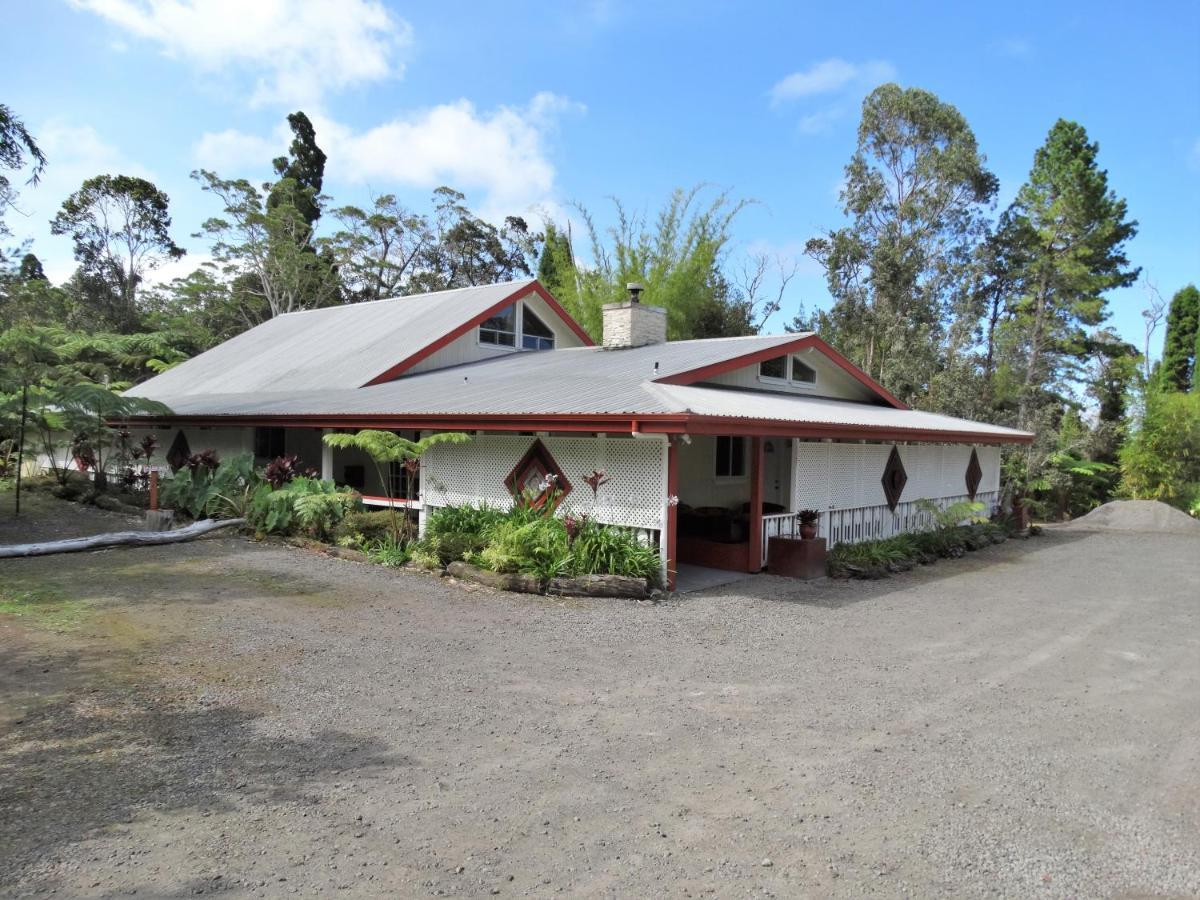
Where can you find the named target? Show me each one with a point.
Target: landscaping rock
(347, 553)
(599, 586)
(522, 584)
(112, 504)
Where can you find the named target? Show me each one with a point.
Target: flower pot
(808, 531)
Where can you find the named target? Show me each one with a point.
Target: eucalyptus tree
(120, 226)
(915, 192)
(378, 250)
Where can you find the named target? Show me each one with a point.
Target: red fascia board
(532, 288)
(616, 424)
(737, 362)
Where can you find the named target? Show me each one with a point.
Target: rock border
(620, 586)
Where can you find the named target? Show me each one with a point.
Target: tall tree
(467, 251)
(1179, 346)
(263, 247)
(556, 269)
(914, 190)
(378, 251)
(120, 225)
(17, 148)
(303, 173)
(1067, 230)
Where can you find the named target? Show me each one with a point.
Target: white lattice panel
(475, 472)
(810, 476)
(846, 476)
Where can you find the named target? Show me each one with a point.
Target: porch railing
(867, 523)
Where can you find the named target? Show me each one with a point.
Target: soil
(1138, 515)
(224, 717)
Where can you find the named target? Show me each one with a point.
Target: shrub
(388, 552)
(538, 547)
(361, 527)
(611, 550)
(222, 490)
(312, 505)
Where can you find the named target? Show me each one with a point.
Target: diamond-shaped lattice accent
(179, 452)
(894, 479)
(974, 474)
(532, 472)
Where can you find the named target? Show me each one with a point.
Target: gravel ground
(257, 720)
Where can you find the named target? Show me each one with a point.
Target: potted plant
(808, 523)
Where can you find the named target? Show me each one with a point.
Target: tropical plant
(307, 503)
(611, 550)
(221, 491)
(954, 514)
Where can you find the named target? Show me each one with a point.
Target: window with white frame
(500, 329)
(516, 326)
(731, 457)
(787, 370)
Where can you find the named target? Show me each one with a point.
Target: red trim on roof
(534, 287)
(660, 423)
(737, 362)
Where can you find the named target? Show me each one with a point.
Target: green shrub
(466, 520)
(388, 552)
(611, 550)
(537, 547)
(221, 492)
(361, 527)
(305, 503)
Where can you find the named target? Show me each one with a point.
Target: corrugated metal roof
(584, 380)
(331, 348)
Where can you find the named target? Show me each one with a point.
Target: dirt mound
(1137, 515)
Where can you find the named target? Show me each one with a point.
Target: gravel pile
(1137, 515)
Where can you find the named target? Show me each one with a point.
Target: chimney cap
(635, 289)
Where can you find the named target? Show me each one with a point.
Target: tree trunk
(119, 539)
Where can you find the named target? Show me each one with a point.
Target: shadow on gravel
(81, 758)
(831, 593)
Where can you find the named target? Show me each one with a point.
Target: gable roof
(342, 347)
(591, 383)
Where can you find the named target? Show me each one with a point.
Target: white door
(777, 467)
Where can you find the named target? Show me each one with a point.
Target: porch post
(672, 523)
(326, 456)
(756, 503)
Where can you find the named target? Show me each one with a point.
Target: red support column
(756, 503)
(672, 511)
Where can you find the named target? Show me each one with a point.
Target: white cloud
(499, 158)
(830, 76)
(839, 83)
(297, 49)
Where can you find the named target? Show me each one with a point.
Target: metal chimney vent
(635, 291)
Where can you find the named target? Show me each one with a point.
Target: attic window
(500, 329)
(535, 334)
(789, 369)
(802, 372)
(773, 368)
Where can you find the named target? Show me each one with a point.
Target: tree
(263, 247)
(1162, 459)
(387, 447)
(377, 252)
(556, 268)
(467, 251)
(1179, 346)
(120, 226)
(31, 269)
(914, 191)
(1066, 231)
(303, 173)
(678, 260)
(17, 148)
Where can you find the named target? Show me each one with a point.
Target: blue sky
(537, 105)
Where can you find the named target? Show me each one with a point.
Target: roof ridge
(470, 287)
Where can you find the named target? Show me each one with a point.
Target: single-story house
(709, 447)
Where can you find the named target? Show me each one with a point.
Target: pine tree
(1177, 370)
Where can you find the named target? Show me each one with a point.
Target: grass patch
(43, 607)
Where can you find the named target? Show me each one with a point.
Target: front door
(777, 468)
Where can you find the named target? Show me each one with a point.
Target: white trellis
(634, 495)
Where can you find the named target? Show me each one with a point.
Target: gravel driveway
(256, 720)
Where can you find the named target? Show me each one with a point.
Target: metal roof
(331, 348)
(579, 381)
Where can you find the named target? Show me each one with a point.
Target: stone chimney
(630, 324)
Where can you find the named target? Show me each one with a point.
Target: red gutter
(659, 423)
(533, 288)
(738, 362)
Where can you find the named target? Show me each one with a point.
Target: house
(708, 447)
